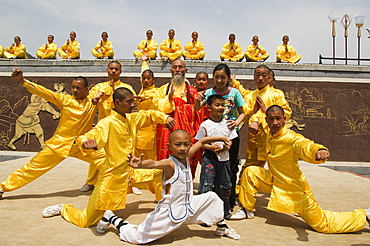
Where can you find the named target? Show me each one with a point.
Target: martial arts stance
(178, 205)
(290, 192)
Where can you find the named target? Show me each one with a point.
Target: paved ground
(22, 224)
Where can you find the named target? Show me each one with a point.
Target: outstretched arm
(207, 140)
(136, 162)
(17, 74)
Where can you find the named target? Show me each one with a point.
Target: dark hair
(272, 73)
(83, 79)
(199, 73)
(121, 93)
(148, 71)
(275, 108)
(213, 98)
(104, 33)
(263, 67)
(222, 66)
(232, 34)
(115, 62)
(51, 36)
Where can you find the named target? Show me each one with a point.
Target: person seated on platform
(255, 52)
(171, 47)
(16, 50)
(49, 50)
(71, 48)
(105, 46)
(232, 50)
(147, 46)
(286, 52)
(1, 51)
(290, 191)
(194, 50)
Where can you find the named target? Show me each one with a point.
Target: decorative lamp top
(360, 19)
(333, 19)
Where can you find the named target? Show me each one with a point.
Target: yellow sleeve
(48, 95)
(306, 149)
(177, 45)
(42, 48)
(280, 50)
(141, 45)
(188, 46)
(237, 85)
(239, 49)
(164, 45)
(153, 45)
(100, 133)
(200, 46)
(107, 47)
(225, 49)
(146, 118)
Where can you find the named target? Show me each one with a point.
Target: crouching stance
(290, 192)
(178, 205)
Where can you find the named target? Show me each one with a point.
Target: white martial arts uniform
(176, 208)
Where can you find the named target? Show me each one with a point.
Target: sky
(126, 22)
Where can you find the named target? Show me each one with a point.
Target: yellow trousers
(44, 161)
(42, 55)
(147, 179)
(98, 54)
(200, 55)
(171, 56)
(151, 54)
(249, 57)
(234, 58)
(257, 178)
(74, 54)
(293, 59)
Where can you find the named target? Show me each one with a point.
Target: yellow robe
(105, 51)
(171, 48)
(72, 50)
(194, 51)
(116, 134)
(290, 192)
(1, 52)
(255, 55)
(18, 51)
(289, 56)
(76, 118)
(49, 53)
(150, 49)
(232, 52)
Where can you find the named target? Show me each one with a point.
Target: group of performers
(170, 49)
(133, 149)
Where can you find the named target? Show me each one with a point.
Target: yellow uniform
(106, 49)
(76, 118)
(116, 134)
(255, 54)
(17, 51)
(290, 192)
(194, 50)
(1, 51)
(171, 49)
(71, 50)
(286, 52)
(232, 52)
(47, 53)
(148, 47)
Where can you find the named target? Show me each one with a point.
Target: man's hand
(111, 83)
(133, 161)
(17, 74)
(253, 127)
(170, 122)
(46, 46)
(322, 155)
(90, 144)
(171, 93)
(96, 99)
(261, 104)
(67, 41)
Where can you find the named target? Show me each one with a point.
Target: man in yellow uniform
(1, 51)
(148, 47)
(255, 52)
(116, 134)
(49, 50)
(286, 52)
(71, 48)
(232, 50)
(16, 50)
(77, 115)
(114, 71)
(290, 191)
(105, 46)
(170, 47)
(194, 50)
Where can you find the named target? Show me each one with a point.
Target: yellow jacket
(1, 51)
(107, 46)
(284, 148)
(192, 48)
(231, 50)
(74, 46)
(175, 45)
(152, 45)
(17, 51)
(52, 48)
(253, 52)
(116, 134)
(281, 51)
(106, 106)
(76, 116)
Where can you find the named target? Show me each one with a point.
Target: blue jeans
(215, 176)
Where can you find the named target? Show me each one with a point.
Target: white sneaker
(227, 232)
(242, 214)
(87, 187)
(136, 191)
(104, 222)
(52, 211)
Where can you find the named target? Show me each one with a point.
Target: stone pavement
(22, 224)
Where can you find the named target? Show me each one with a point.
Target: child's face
(217, 108)
(180, 145)
(201, 82)
(147, 80)
(220, 79)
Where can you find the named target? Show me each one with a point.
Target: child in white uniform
(178, 204)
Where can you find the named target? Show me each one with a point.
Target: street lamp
(345, 22)
(359, 24)
(333, 33)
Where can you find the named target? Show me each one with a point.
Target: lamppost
(359, 24)
(345, 22)
(333, 33)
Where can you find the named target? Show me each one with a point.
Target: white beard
(177, 80)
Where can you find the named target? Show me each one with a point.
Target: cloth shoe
(87, 187)
(1, 194)
(242, 214)
(52, 211)
(104, 222)
(136, 191)
(227, 232)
